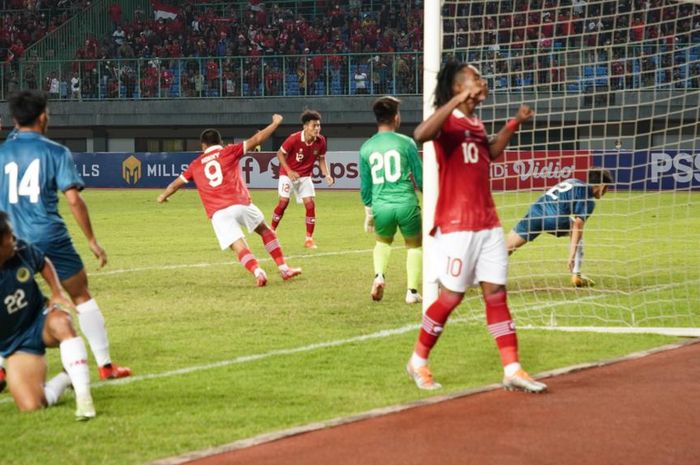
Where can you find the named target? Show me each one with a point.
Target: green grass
(166, 313)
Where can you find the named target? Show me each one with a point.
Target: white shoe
(377, 288)
(85, 409)
(260, 277)
(521, 381)
(422, 377)
(413, 297)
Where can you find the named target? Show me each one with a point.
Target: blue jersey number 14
(28, 186)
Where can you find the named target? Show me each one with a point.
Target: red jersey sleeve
(187, 174)
(235, 151)
(288, 145)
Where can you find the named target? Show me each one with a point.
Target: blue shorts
(64, 257)
(535, 223)
(30, 340)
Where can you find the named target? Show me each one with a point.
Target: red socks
(279, 212)
(310, 218)
(434, 321)
(248, 260)
(501, 327)
(272, 245)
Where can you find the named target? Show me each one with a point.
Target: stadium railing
(568, 71)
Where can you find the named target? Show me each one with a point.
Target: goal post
(615, 85)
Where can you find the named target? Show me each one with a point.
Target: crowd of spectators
(190, 55)
(24, 22)
(355, 47)
(626, 43)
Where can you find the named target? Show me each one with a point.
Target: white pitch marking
(97, 274)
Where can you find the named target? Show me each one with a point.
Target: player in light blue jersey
(28, 326)
(563, 211)
(33, 169)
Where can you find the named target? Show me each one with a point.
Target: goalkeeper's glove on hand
(369, 220)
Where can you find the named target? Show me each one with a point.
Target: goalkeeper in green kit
(387, 161)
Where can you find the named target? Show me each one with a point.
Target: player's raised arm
(262, 136)
(80, 212)
(499, 142)
(429, 129)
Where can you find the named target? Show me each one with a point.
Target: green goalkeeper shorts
(387, 218)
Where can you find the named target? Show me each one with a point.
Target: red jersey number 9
(470, 152)
(212, 170)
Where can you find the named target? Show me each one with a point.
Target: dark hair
(445, 78)
(310, 115)
(26, 106)
(4, 223)
(210, 137)
(385, 109)
(598, 175)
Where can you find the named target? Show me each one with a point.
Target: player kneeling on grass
(387, 161)
(28, 326)
(468, 234)
(563, 211)
(217, 174)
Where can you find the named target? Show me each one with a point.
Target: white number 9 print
(212, 170)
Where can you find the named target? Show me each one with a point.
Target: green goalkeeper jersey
(387, 161)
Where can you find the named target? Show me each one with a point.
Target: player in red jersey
(297, 157)
(226, 199)
(469, 239)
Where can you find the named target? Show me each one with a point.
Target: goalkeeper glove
(369, 220)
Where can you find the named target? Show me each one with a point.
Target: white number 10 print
(470, 152)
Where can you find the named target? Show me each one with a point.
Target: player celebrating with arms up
(563, 211)
(468, 234)
(297, 157)
(226, 199)
(387, 161)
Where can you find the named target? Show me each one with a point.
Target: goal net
(614, 84)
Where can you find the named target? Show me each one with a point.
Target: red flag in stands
(161, 10)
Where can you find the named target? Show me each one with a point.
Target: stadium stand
(250, 49)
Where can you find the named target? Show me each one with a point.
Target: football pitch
(216, 359)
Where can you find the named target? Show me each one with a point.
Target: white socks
(417, 361)
(511, 369)
(578, 257)
(74, 358)
(55, 387)
(92, 324)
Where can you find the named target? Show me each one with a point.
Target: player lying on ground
(387, 162)
(563, 211)
(217, 175)
(35, 170)
(469, 242)
(297, 157)
(28, 326)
